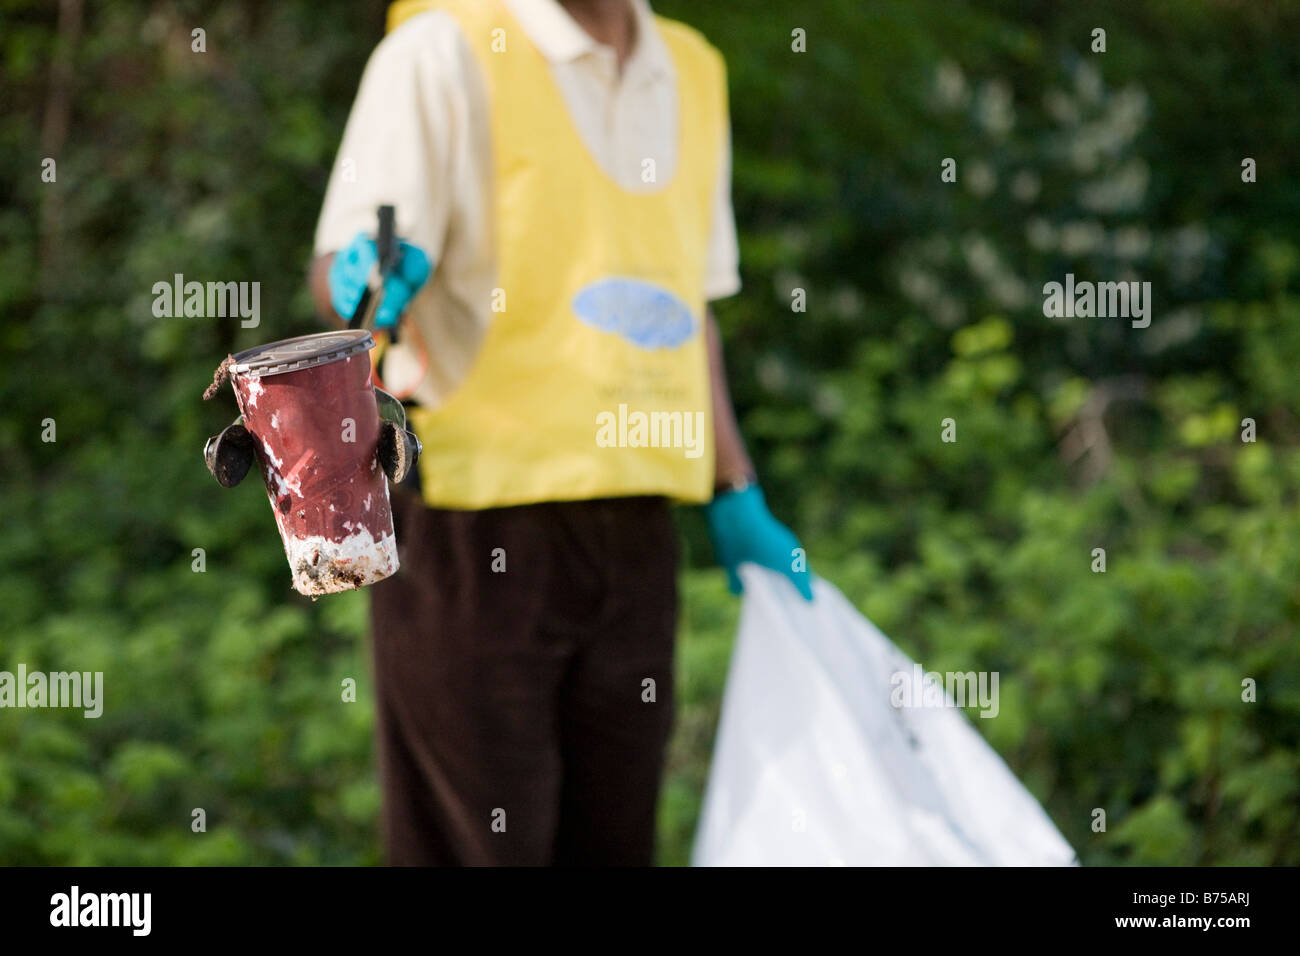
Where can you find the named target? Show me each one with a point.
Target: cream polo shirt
(419, 138)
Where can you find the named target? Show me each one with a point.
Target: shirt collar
(560, 39)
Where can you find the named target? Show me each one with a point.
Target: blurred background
(1120, 691)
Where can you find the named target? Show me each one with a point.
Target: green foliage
(1120, 691)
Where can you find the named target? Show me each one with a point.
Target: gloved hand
(350, 271)
(743, 529)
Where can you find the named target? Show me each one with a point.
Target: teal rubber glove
(743, 529)
(350, 272)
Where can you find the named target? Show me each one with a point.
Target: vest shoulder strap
(703, 69)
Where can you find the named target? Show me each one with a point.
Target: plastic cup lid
(305, 351)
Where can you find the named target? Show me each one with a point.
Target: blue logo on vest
(644, 314)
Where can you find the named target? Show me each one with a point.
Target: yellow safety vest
(592, 380)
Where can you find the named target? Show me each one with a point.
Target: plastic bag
(815, 766)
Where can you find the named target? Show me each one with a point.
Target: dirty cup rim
(303, 351)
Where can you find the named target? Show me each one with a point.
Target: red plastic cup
(311, 409)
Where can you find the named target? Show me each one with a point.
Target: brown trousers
(515, 719)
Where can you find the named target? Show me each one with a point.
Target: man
(561, 175)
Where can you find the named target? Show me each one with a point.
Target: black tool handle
(359, 313)
(386, 239)
(386, 245)
(387, 251)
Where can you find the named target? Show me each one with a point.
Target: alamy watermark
(637, 429)
(133, 911)
(1103, 300)
(212, 300)
(82, 690)
(954, 689)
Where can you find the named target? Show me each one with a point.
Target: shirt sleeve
(398, 145)
(722, 274)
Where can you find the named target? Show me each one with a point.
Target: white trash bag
(814, 766)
